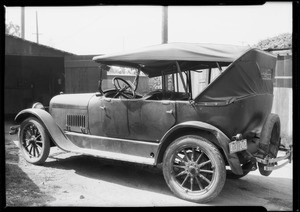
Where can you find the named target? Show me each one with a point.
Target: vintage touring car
(211, 117)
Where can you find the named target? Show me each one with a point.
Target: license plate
(237, 146)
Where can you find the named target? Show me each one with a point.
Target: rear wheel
(34, 141)
(194, 169)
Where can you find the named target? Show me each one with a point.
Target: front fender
(221, 138)
(54, 131)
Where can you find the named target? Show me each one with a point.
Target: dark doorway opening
(29, 79)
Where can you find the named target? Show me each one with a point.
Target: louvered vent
(76, 120)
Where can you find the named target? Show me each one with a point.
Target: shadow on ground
(20, 189)
(123, 173)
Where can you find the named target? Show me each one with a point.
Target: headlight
(38, 105)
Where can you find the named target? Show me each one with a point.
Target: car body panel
(70, 111)
(242, 116)
(118, 149)
(135, 119)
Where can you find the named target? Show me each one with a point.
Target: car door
(149, 120)
(108, 117)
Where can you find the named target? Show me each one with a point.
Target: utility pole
(23, 22)
(164, 30)
(37, 27)
(165, 24)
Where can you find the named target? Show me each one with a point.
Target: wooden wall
(82, 74)
(283, 95)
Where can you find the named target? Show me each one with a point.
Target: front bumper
(272, 163)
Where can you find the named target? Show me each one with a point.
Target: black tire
(181, 163)
(34, 141)
(269, 140)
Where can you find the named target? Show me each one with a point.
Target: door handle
(169, 111)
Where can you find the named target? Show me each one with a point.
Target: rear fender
(54, 131)
(221, 141)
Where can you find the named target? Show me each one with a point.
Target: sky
(92, 30)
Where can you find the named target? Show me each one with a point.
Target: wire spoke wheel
(194, 169)
(34, 141)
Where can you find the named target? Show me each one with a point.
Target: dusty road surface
(68, 179)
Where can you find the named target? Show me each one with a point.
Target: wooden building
(33, 72)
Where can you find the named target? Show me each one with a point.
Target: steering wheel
(127, 86)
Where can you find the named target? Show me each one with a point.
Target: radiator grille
(76, 120)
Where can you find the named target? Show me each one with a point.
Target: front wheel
(34, 141)
(194, 169)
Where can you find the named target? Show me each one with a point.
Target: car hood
(71, 101)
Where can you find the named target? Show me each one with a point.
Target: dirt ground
(68, 179)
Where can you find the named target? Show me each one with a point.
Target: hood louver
(76, 120)
(76, 123)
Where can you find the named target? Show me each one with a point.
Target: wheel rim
(193, 170)
(32, 141)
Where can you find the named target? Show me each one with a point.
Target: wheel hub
(32, 139)
(192, 169)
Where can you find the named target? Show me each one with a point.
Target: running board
(116, 156)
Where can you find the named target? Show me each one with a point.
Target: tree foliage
(280, 41)
(12, 29)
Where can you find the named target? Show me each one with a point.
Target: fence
(283, 95)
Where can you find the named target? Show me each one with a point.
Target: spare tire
(270, 140)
